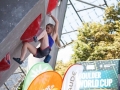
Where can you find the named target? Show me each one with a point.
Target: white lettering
(95, 83)
(90, 75)
(105, 82)
(49, 87)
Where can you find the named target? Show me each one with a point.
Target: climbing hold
(32, 30)
(51, 5)
(5, 63)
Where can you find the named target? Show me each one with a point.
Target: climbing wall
(16, 17)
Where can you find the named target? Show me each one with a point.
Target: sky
(65, 54)
(72, 22)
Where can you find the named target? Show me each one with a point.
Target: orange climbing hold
(32, 30)
(5, 63)
(51, 5)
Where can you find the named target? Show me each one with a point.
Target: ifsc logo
(50, 88)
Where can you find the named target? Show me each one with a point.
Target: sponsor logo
(50, 88)
(72, 79)
(90, 67)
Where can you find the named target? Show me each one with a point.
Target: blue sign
(100, 75)
(98, 79)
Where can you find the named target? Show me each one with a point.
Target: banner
(100, 75)
(49, 80)
(34, 72)
(71, 81)
(98, 79)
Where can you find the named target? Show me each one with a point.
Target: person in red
(46, 38)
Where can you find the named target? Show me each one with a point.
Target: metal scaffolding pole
(69, 32)
(86, 9)
(89, 8)
(6, 86)
(76, 11)
(90, 4)
(105, 3)
(67, 44)
(62, 42)
(22, 70)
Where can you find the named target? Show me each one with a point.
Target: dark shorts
(41, 53)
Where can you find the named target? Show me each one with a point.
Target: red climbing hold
(5, 63)
(32, 30)
(51, 5)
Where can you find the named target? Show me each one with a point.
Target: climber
(46, 38)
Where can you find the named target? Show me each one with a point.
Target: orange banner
(49, 80)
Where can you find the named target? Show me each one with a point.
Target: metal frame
(6, 86)
(69, 32)
(67, 44)
(22, 71)
(76, 11)
(106, 3)
(89, 8)
(90, 4)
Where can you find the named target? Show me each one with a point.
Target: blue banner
(99, 79)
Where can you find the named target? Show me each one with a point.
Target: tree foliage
(97, 41)
(62, 67)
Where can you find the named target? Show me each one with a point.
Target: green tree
(97, 41)
(21, 85)
(62, 67)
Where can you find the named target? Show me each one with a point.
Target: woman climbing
(46, 38)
